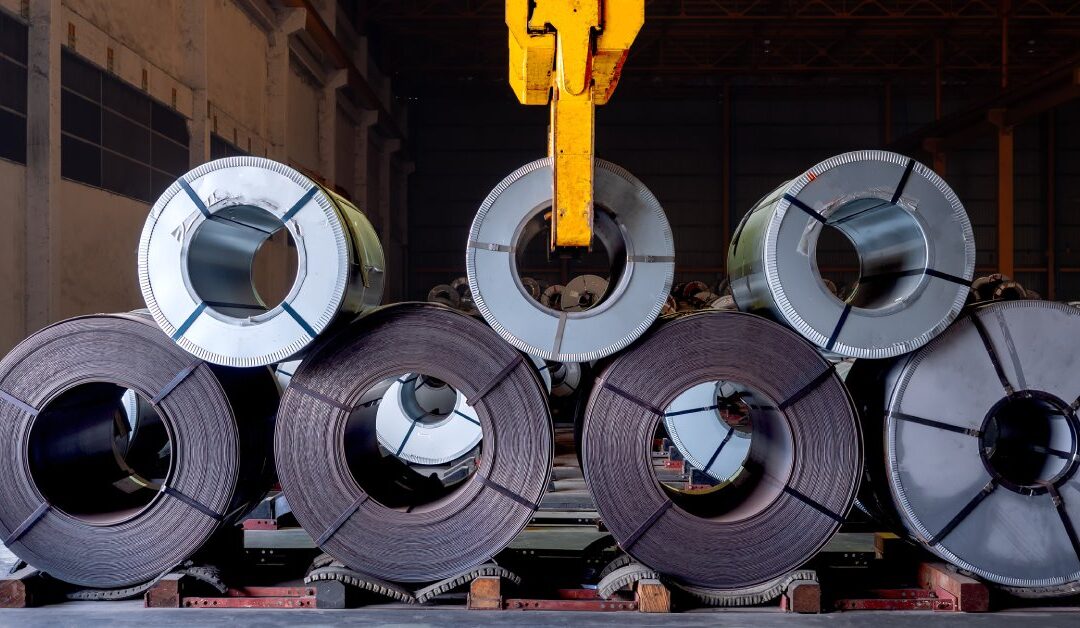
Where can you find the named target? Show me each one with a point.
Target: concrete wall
(241, 69)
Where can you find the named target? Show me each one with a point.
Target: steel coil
(976, 441)
(631, 227)
(914, 242)
(797, 482)
(327, 488)
(197, 253)
(97, 498)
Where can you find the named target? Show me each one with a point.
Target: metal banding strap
(320, 397)
(299, 204)
(466, 417)
(28, 523)
(332, 529)
(498, 379)
(559, 331)
(174, 382)
(691, 411)
(487, 246)
(806, 208)
(650, 259)
(992, 353)
(947, 277)
(839, 326)
(625, 395)
(182, 329)
(1059, 506)
(807, 389)
(903, 181)
(813, 504)
(1021, 382)
(937, 424)
(645, 525)
(719, 448)
(172, 492)
(964, 512)
(308, 329)
(499, 488)
(929, 272)
(194, 197)
(408, 435)
(18, 403)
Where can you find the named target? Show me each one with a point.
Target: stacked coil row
(414, 442)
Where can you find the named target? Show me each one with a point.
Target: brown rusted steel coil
(382, 535)
(799, 477)
(122, 454)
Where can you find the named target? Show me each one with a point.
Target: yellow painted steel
(569, 54)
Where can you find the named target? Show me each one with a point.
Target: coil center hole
(242, 261)
(100, 453)
(412, 442)
(1029, 441)
(569, 280)
(871, 253)
(722, 450)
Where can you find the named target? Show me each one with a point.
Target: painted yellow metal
(569, 54)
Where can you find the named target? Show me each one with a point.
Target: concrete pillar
(277, 84)
(193, 30)
(42, 241)
(328, 125)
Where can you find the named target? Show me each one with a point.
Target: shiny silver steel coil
(461, 529)
(976, 442)
(696, 423)
(797, 483)
(199, 244)
(628, 222)
(914, 241)
(98, 498)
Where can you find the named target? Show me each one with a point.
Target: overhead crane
(569, 54)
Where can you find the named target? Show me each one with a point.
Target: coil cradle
(97, 499)
(799, 476)
(979, 448)
(382, 532)
(914, 242)
(197, 253)
(630, 226)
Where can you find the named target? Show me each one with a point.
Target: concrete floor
(125, 614)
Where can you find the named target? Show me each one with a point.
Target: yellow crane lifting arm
(569, 54)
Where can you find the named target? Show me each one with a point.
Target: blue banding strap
(839, 326)
(25, 526)
(719, 448)
(806, 208)
(18, 403)
(340, 521)
(813, 504)
(194, 197)
(174, 382)
(404, 441)
(947, 277)
(691, 410)
(903, 181)
(172, 492)
(299, 204)
(186, 325)
(299, 319)
(466, 417)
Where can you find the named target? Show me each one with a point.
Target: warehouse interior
(402, 111)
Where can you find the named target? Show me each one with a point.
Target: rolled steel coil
(803, 465)
(697, 422)
(913, 238)
(628, 222)
(464, 528)
(974, 440)
(199, 244)
(68, 500)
